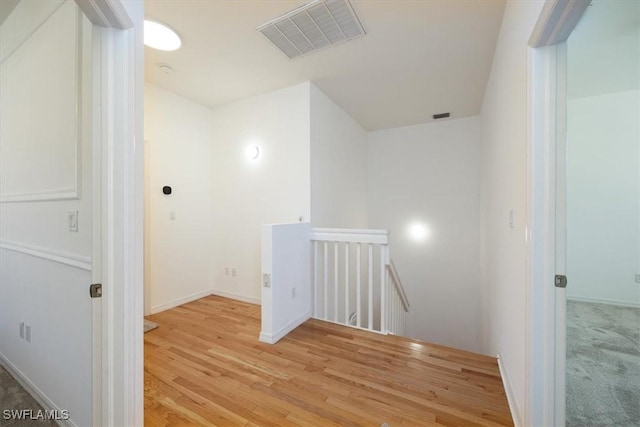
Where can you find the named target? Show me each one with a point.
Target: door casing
(546, 212)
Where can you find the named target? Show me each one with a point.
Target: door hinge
(95, 290)
(561, 281)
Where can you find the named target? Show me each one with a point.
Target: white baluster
(394, 314)
(335, 281)
(315, 278)
(370, 325)
(346, 283)
(358, 284)
(383, 288)
(326, 279)
(389, 301)
(399, 311)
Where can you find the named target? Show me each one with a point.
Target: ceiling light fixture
(160, 36)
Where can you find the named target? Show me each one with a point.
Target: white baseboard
(175, 303)
(272, 338)
(605, 301)
(238, 297)
(33, 390)
(514, 407)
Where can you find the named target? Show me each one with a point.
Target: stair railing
(398, 302)
(355, 282)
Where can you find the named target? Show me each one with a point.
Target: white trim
(514, 407)
(546, 93)
(106, 13)
(50, 195)
(231, 295)
(557, 20)
(606, 301)
(353, 235)
(72, 260)
(33, 390)
(540, 350)
(180, 301)
(119, 73)
(272, 338)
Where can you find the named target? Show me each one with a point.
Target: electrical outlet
(637, 277)
(233, 272)
(22, 330)
(293, 292)
(172, 216)
(27, 333)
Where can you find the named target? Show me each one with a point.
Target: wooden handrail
(393, 273)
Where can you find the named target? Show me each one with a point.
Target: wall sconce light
(418, 232)
(252, 152)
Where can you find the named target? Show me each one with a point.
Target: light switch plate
(73, 221)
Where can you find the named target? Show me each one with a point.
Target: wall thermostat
(166, 190)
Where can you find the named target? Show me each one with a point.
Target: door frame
(117, 66)
(546, 212)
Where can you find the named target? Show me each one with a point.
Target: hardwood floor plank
(205, 366)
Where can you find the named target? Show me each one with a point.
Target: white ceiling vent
(312, 27)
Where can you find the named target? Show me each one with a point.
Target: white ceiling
(418, 58)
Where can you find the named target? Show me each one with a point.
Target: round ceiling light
(160, 36)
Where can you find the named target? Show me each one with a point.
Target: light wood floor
(205, 366)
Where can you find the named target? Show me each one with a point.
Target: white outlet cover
(27, 333)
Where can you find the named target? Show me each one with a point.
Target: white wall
(602, 197)
(504, 188)
(604, 50)
(45, 270)
(221, 198)
(338, 166)
(275, 188)
(429, 174)
(179, 139)
(603, 137)
(286, 260)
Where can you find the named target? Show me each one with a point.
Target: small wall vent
(441, 116)
(314, 26)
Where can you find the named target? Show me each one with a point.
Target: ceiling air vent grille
(312, 27)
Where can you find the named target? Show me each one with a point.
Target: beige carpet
(14, 397)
